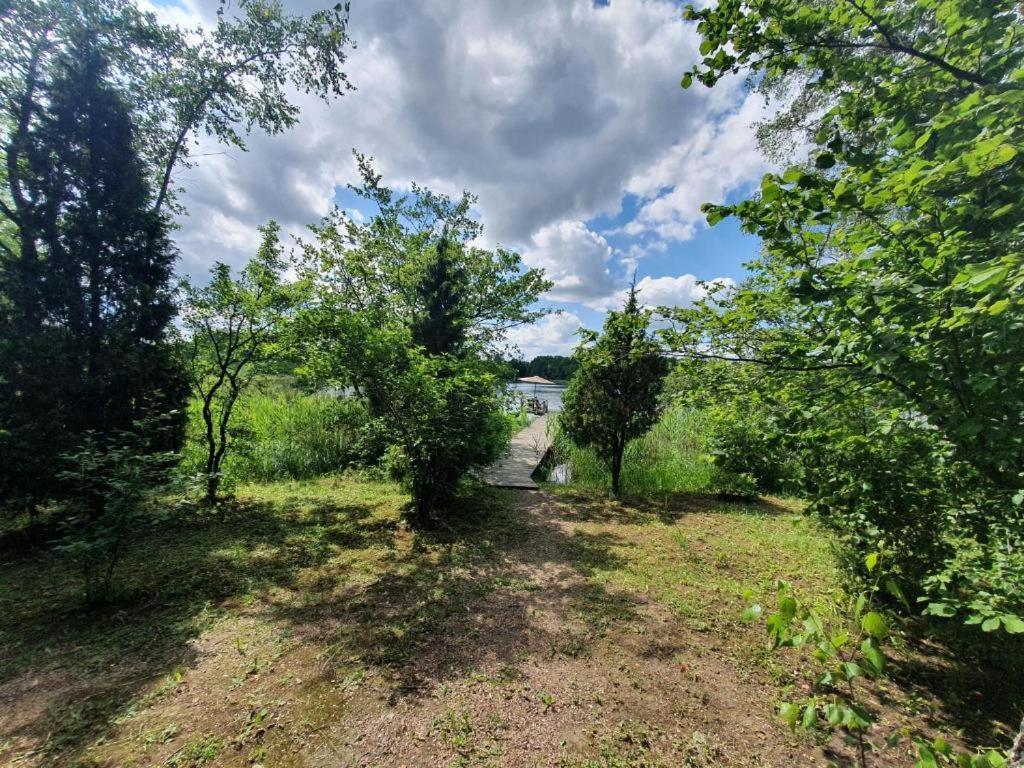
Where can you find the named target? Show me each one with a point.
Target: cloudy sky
(565, 117)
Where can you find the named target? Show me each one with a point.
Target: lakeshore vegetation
(239, 516)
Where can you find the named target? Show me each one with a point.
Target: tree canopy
(892, 267)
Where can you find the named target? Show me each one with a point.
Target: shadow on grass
(978, 679)
(599, 507)
(431, 606)
(67, 673)
(465, 597)
(957, 678)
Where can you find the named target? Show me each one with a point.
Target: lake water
(551, 393)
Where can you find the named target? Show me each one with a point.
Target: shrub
(112, 482)
(613, 398)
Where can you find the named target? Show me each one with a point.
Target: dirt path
(549, 670)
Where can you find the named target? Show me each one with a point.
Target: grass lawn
(306, 626)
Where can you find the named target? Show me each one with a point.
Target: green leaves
(875, 625)
(932, 754)
(752, 612)
(790, 714)
(981, 278)
(413, 314)
(1014, 625)
(613, 398)
(890, 281)
(824, 160)
(873, 656)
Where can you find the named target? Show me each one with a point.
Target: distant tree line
(558, 368)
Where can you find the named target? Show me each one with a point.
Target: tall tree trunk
(616, 470)
(212, 470)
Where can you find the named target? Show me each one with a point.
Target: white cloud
(548, 111)
(718, 158)
(551, 335)
(681, 291)
(574, 258)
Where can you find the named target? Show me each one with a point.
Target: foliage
(113, 481)
(221, 81)
(847, 657)
(553, 367)
(890, 279)
(378, 268)
(747, 439)
(282, 435)
(613, 398)
(87, 303)
(234, 326)
(412, 315)
(100, 104)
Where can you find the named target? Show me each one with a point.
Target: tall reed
(279, 433)
(671, 458)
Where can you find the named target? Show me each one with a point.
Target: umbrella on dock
(536, 381)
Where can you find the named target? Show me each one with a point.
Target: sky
(565, 117)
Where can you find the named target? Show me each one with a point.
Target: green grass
(279, 433)
(319, 581)
(670, 459)
(699, 555)
(325, 550)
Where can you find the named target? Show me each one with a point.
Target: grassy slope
(307, 626)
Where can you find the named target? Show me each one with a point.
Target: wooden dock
(525, 454)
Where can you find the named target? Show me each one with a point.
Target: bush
(613, 398)
(751, 452)
(451, 421)
(111, 482)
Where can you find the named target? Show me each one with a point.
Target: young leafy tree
(114, 483)
(443, 412)
(849, 651)
(893, 261)
(613, 398)
(235, 327)
(413, 316)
